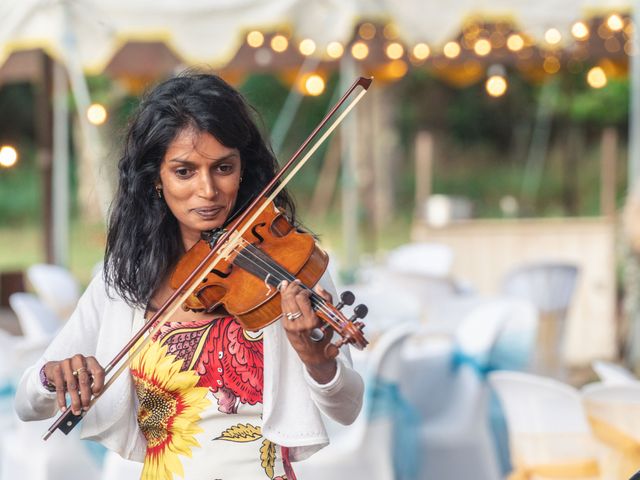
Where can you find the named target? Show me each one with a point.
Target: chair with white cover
(515, 346)
(548, 431)
(458, 427)
(388, 306)
(550, 286)
(613, 411)
(24, 455)
(365, 450)
(37, 321)
(422, 258)
(513, 350)
(611, 373)
(56, 287)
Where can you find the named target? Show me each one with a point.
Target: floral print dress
(199, 387)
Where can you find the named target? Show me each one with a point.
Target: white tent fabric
(211, 31)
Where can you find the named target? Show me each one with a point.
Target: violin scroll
(349, 329)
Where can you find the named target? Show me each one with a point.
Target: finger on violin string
(323, 293)
(309, 319)
(81, 372)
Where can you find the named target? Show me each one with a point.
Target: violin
(245, 282)
(261, 248)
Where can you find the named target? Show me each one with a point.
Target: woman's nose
(208, 187)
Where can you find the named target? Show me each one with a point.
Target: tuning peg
(346, 298)
(359, 311)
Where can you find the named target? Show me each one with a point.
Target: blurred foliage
(602, 107)
(482, 143)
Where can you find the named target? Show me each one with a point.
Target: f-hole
(254, 230)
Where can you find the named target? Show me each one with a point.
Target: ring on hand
(293, 316)
(75, 373)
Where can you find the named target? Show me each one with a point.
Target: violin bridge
(266, 284)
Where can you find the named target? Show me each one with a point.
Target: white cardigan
(103, 323)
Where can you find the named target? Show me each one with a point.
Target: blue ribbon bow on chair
(459, 358)
(497, 421)
(384, 399)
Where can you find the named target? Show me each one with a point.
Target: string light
(596, 78)
(335, 50)
(628, 48)
(515, 42)
(396, 69)
(307, 47)
(367, 31)
(390, 31)
(604, 31)
(8, 156)
(313, 85)
(580, 31)
(497, 39)
(421, 51)
(496, 85)
(359, 50)
(552, 36)
(97, 114)
(451, 49)
(394, 51)
(482, 47)
(612, 45)
(255, 39)
(279, 43)
(614, 22)
(551, 65)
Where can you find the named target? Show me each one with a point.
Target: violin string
(278, 272)
(319, 302)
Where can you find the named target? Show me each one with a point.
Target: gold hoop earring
(159, 191)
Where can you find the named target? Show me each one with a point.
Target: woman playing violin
(205, 398)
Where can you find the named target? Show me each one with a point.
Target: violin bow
(223, 247)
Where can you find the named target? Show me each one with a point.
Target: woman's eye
(182, 172)
(225, 168)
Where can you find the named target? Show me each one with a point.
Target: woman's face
(200, 179)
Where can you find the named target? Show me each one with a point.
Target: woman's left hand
(319, 360)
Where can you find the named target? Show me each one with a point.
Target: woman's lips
(208, 213)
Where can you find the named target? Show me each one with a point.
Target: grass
(24, 245)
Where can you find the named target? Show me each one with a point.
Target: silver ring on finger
(293, 316)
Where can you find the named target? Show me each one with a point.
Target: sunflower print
(169, 410)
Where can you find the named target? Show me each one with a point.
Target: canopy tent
(211, 31)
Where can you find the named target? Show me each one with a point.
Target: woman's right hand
(79, 376)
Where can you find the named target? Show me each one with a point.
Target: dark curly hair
(143, 241)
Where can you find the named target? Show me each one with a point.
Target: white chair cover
(458, 427)
(56, 287)
(613, 411)
(37, 321)
(422, 258)
(364, 450)
(546, 422)
(550, 287)
(612, 373)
